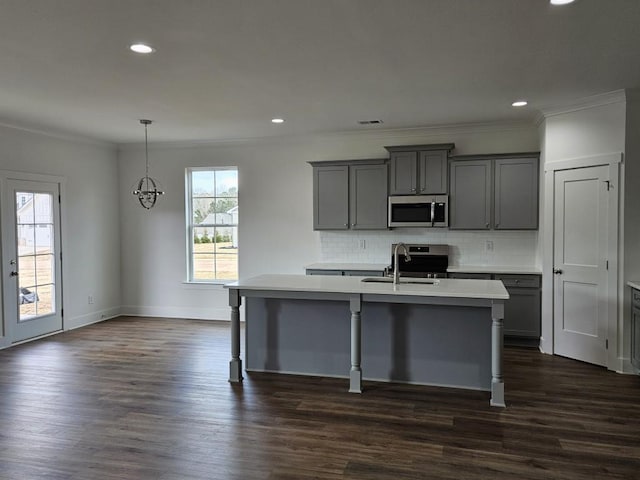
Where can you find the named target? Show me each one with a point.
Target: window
(212, 219)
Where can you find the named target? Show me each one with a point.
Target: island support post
(235, 365)
(497, 325)
(355, 375)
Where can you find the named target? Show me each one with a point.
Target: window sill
(209, 284)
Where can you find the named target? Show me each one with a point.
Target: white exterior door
(580, 264)
(31, 264)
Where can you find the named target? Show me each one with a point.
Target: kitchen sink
(405, 281)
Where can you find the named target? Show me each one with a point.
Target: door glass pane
(36, 248)
(44, 269)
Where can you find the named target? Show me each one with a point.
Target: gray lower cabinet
(470, 195)
(419, 169)
(494, 192)
(350, 195)
(635, 328)
(522, 314)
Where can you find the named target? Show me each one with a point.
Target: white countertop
(634, 284)
(347, 266)
(515, 269)
(446, 287)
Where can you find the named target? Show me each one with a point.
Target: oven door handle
(433, 212)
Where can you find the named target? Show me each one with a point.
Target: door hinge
(607, 264)
(59, 198)
(606, 344)
(62, 312)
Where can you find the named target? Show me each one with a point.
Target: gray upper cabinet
(419, 169)
(470, 195)
(350, 195)
(494, 192)
(331, 197)
(368, 196)
(516, 193)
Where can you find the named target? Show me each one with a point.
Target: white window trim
(188, 228)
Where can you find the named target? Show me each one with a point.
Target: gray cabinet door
(368, 202)
(404, 173)
(331, 197)
(635, 328)
(433, 172)
(522, 313)
(470, 195)
(516, 194)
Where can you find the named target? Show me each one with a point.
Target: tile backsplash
(465, 247)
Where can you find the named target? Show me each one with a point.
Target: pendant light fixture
(147, 189)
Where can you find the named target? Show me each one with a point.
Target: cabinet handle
(413, 189)
(487, 225)
(346, 224)
(517, 281)
(497, 224)
(557, 271)
(353, 224)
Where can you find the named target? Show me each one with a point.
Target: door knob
(557, 271)
(14, 274)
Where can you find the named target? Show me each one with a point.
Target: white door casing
(587, 289)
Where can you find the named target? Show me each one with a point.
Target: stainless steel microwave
(418, 211)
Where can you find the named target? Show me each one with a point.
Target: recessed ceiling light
(519, 103)
(277, 120)
(141, 48)
(561, 2)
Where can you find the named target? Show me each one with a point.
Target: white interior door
(580, 264)
(31, 269)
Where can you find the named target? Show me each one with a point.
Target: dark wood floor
(137, 398)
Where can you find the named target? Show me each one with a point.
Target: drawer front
(364, 273)
(313, 271)
(523, 281)
(636, 297)
(478, 276)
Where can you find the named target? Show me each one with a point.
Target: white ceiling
(224, 68)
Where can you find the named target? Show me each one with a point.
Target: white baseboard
(90, 318)
(196, 313)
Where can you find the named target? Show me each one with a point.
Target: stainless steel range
(427, 261)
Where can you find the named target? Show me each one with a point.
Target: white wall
(275, 185)
(91, 240)
(584, 132)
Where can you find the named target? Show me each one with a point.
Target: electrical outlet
(489, 246)
(90, 299)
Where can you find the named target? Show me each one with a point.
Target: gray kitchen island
(445, 332)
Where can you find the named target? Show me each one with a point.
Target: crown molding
(392, 134)
(585, 103)
(58, 135)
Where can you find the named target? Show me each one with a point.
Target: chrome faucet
(407, 258)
